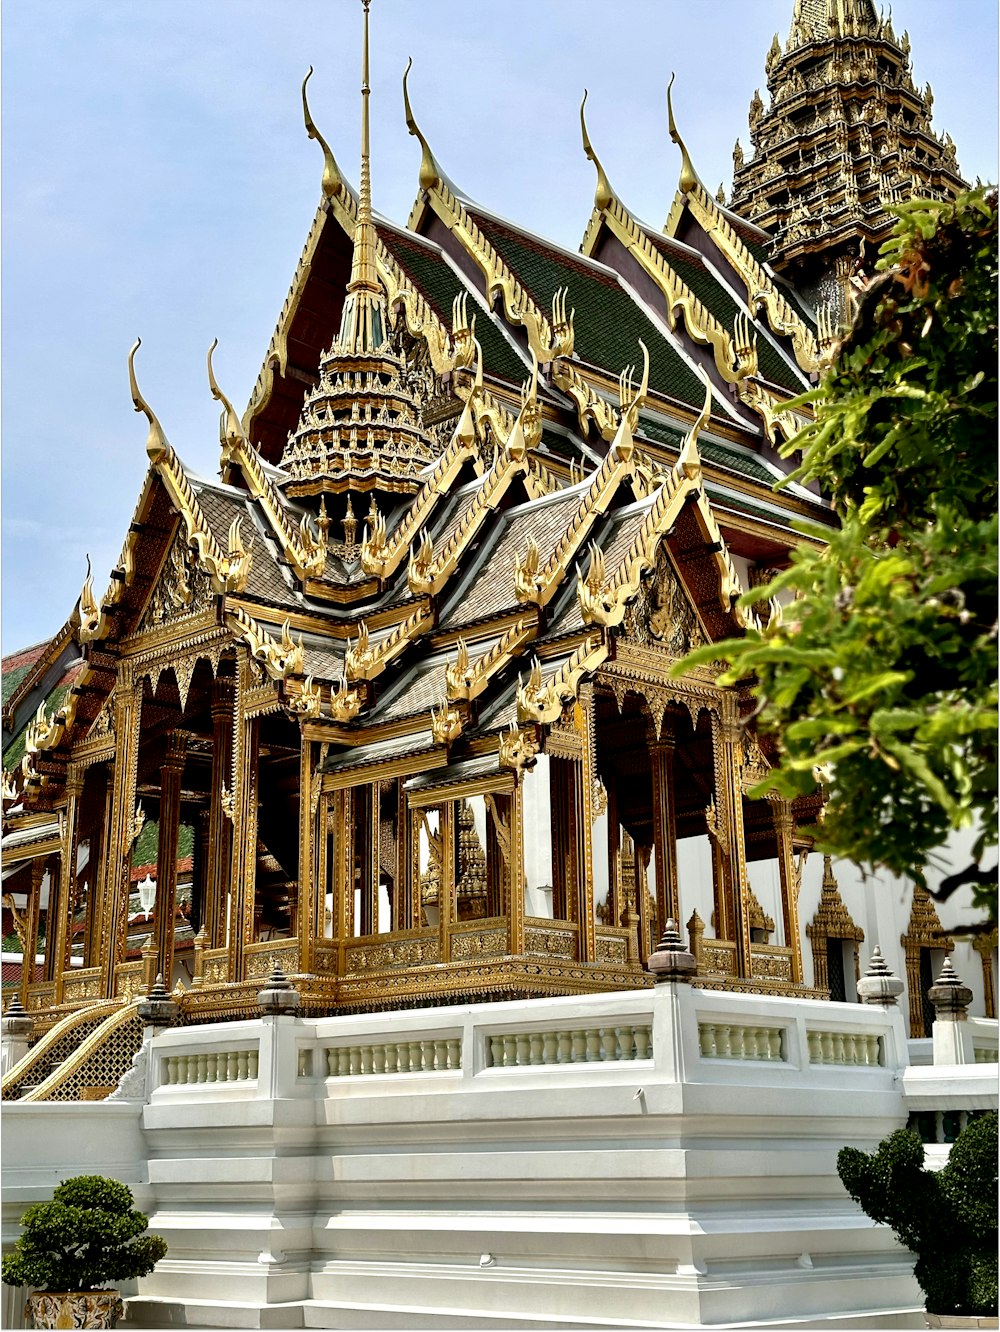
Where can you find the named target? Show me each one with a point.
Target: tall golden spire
(363, 324)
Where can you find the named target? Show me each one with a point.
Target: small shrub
(948, 1218)
(88, 1236)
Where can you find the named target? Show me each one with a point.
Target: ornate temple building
(390, 703)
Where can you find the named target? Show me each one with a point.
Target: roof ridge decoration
(603, 601)
(429, 570)
(590, 406)
(542, 699)
(333, 182)
(364, 660)
(546, 339)
(228, 570)
(305, 553)
(538, 583)
(382, 555)
(467, 679)
(761, 291)
(280, 658)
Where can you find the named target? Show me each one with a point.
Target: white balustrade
(424, 1056)
(579, 1045)
(206, 1066)
(844, 1047)
(731, 1040)
(984, 1054)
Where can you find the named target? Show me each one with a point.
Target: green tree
(87, 1236)
(878, 678)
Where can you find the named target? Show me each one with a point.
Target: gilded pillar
(615, 902)
(165, 909)
(588, 785)
(447, 906)
(515, 893)
(729, 798)
(112, 918)
(310, 912)
(66, 897)
(343, 874)
(668, 904)
(641, 862)
(403, 915)
(31, 918)
(784, 826)
(985, 945)
(219, 857)
(246, 749)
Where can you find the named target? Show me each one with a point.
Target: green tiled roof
(144, 851)
(14, 752)
(440, 284)
(608, 321)
(735, 459)
(12, 678)
(719, 302)
(773, 515)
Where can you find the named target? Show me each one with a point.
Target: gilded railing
(55, 1046)
(84, 983)
(128, 980)
(376, 952)
(486, 937)
(94, 1069)
(261, 958)
(551, 938)
(612, 943)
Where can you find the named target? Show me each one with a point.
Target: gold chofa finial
(156, 441)
(430, 172)
(333, 181)
(604, 193)
(231, 432)
(689, 177)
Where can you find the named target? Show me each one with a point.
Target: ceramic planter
(73, 1309)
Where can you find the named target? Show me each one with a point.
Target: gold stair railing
(55, 1046)
(92, 1072)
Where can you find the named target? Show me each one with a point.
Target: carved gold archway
(831, 921)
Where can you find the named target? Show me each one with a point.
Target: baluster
(378, 1058)
(523, 1048)
(840, 1048)
(242, 1061)
(643, 1042)
(774, 1043)
(496, 1051)
(343, 1061)
(426, 1055)
(748, 1042)
(815, 1047)
(535, 1048)
(201, 1073)
(874, 1049)
(829, 1049)
(454, 1052)
(169, 1072)
(355, 1065)
(253, 1062)
(593, 1044)
(723, 1041)
(440, 1055)
(564, 1047)
(550, 1047)
(509, 1051)
(609, 1043)
(413, 1053)
(624, 1042)
(579, 1053)
(391, 1057)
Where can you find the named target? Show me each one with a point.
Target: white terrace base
(662, 1158)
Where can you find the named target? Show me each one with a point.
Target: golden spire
(363, 326)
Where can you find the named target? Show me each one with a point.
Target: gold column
(730, 798)
(310, 913)
(588, 784)
(113, 904)
(31, 917)
(66, 898)
(984, 945)
(165, 909)
(641, 861)
(615, 903)
(403, 918)
(343, 873)
(668, 905)
(246, 734)
(515, 891)
(219, 858)
(446, 890)
(784, 826)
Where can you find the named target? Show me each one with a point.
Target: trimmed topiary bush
(88, 1236)
(948, 1218)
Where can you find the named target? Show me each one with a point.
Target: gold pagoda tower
(843, 134)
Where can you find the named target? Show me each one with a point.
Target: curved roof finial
(604, 193)
(689, 461)
(231, 430)
(689, 177)
(333, 181)
(430, 172)
(156, 441)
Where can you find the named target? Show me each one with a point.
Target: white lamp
(147, 894)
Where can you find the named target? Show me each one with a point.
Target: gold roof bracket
(689, 461)
(232, 436)
(333, 180)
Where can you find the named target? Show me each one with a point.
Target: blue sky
(157, 181)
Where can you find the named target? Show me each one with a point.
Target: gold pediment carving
(662, 615)
(183, 588)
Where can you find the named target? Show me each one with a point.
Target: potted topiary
(88, 1236)
(948, 1217)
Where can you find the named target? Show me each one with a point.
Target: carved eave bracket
(280, 657)
(365, 658)
(467, 678)
(542, 698)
